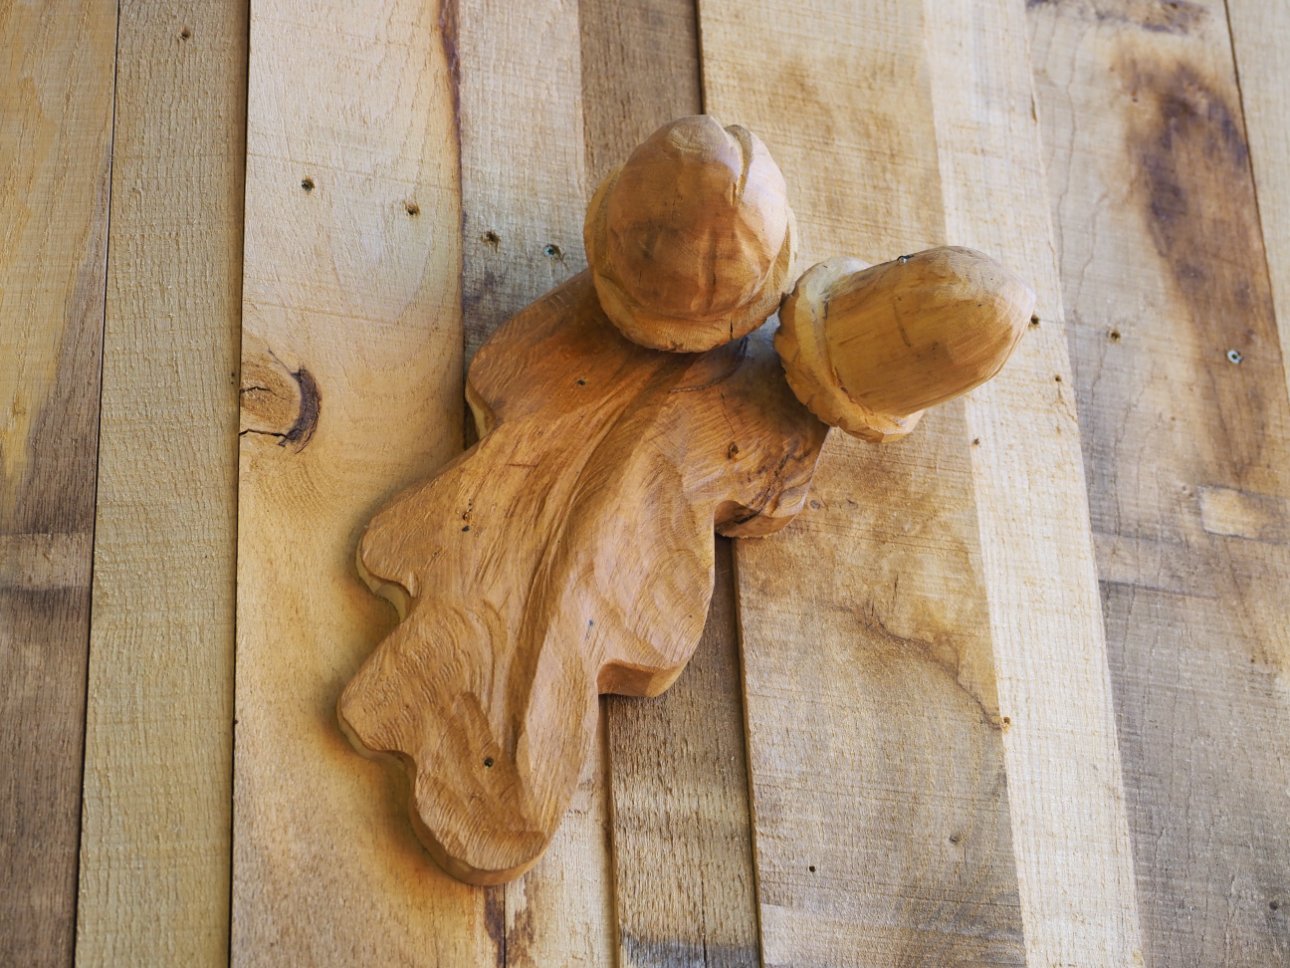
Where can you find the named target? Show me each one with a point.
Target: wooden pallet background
(1015, 691)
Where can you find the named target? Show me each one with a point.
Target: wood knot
(278, 401)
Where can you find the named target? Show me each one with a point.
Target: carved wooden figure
(569, 553)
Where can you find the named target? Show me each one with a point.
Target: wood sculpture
(569, 552)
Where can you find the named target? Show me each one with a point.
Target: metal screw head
(1234, 356)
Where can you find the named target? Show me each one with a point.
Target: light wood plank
(55, 162)
(1069, 825)
(684, 881)
(1259, 31)
(1186, 452)
(155, 832)
(522, 197)
(352, 389)
(874, 728)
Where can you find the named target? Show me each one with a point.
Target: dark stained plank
(55, 165)
(683, 866)
(1181, 391)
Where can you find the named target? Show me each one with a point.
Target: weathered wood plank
(1070, 831)
(55, 164)
(521, 156)
(1186, 452)
(1259, 30)
(155, 833)
(351, 389)
(684, 881)
(522, 190)
(640, 70)
(874, 729)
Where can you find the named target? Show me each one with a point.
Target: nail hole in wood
(976, 441)
(185, 33)
(488, 762)
(465, 528)
(581, 382)
(955, 838)
(811, 868)
(1115, 336)
(1274, 905)
(491, 238)
(412, 208)
(307, 183)
(1034, 320)
(1058, 378)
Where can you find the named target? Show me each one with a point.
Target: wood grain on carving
(569, 553)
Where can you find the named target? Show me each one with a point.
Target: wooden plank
(522, 164)
(640, 69)
(55, 160)
(1186, 452)
(351, 389)
(683, 867)
(1070, 831)
(522, 190)
(684, 877)
(873, 722)
(155, 834)
(1258, 32)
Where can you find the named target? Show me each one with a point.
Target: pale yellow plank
(522, 196)
(1259, 32)
(352, 388)
(1070, 831)
(56, 68)
(1187, 455)
(155, 830)
(877, 768)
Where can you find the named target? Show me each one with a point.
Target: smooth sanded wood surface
(1131, 812)
(55, 165)
(874, 733)
(154, 866)
(1187, 458)
(351, 389)
(678, 771)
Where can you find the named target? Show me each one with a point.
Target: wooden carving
(569, 553)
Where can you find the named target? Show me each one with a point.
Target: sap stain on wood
(1186, 143)
(1155, 16)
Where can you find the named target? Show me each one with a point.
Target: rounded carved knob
(691, 241)
(869, 348)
